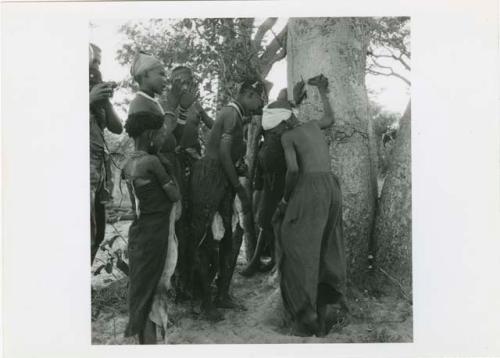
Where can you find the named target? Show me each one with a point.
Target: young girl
(150, 235)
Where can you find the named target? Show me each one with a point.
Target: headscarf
(275, 113)
(142, 63)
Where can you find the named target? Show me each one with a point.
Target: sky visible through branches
(388, 92)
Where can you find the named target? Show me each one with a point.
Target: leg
(253, 265)
(237, 241)
(321, 309)
(184, 263)
(202, 265)
(226, 257)
(306, 324)
(269, 239)
(207, 191)
(98, 225)
(100, 213)
(327, 318)
(148, 333)
(93, 246)
(227, 253)
(202, 250)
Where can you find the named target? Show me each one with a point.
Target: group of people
(190, 201)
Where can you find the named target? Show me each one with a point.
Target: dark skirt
(274, 185)
(147, 247)
(312, 245)
(210, 193)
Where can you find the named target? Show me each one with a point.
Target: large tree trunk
(337, 48)
(393, 222)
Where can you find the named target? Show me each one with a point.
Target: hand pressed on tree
(299, 92)
(319, 81)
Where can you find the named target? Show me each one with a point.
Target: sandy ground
(384, 319)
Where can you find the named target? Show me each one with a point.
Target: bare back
(310, 147)
(227, 122)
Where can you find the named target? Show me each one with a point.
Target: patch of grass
(112, 298)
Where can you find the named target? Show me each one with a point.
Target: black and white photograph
(272, 178)
(250, 180)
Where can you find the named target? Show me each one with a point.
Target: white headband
(271, 117)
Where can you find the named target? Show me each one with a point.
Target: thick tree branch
(270, 53)
(278, 56)
(262, 30)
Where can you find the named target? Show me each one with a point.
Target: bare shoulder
(312, 124)
(151, 159)
(288, 137)
(226, 112)
(228, 117)
(135, 103)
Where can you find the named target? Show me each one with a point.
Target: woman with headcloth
(269, 185)
(152, 240)
(149, 73)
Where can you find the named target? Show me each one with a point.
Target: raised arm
(292, 166)
(321, 82)
(113, 122)
(207, 120)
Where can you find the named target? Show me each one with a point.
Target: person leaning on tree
(312, 261)
(269, 185)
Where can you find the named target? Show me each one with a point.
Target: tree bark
(337, 48)
(393, 222)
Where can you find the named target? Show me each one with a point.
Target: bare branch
(403, 62)
(393, 56)
(382, 56)
(263, 29)
(381, 66)
(371, 71)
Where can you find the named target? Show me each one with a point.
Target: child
(152, 243)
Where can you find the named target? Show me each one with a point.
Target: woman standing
(155, 191)
(152, 241)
